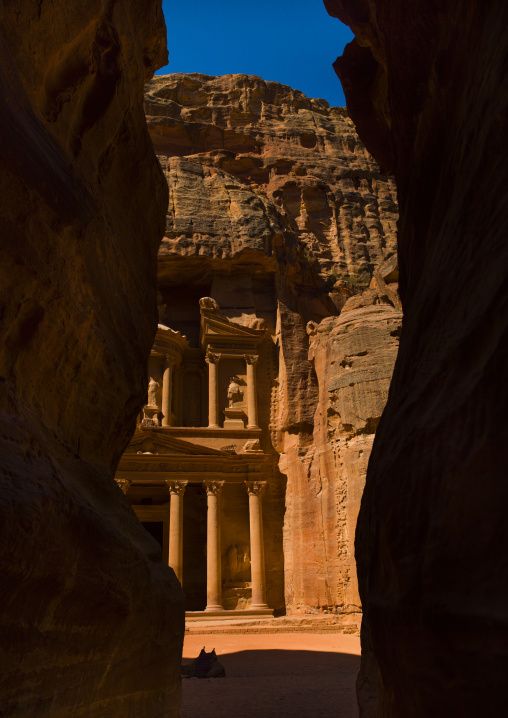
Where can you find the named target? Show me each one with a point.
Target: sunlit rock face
(91, 620)
(427, 91)
(278, 213)
(285, 164)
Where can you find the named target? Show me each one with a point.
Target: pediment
(153, 442)
(220, 326)
(214, 325)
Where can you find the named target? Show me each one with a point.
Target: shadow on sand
(275, 684)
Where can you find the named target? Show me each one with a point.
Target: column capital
(213, 487)
(176, 486)
(212, 357)
(255, 488)
(251, 359)
(171, 360)
(124, 484)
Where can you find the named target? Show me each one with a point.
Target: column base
(252, 426)
(213, 426)
(258, 607)
(245, 613)
(214, 609)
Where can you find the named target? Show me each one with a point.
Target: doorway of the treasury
(194, 548)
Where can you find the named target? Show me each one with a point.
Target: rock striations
(251, 164)
(91, 621)
(426, 84)
(277, 211)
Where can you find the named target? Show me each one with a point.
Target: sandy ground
(302, 675)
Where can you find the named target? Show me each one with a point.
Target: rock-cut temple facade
(195, 472)
(279, 322)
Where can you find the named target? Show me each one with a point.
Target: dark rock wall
(426, 85)
(92, 622)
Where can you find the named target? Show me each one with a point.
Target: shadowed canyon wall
(92, 622)
(427, 88)
(278, 213)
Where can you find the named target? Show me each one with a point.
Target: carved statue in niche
(311, 329)
(153, 388)
(238, 563)
(235, 394)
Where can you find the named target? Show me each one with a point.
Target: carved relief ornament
(251, 359)
(172, 359)
(176, 486)
(233, 348)
(212, 358)
(213, 487)
(255, 488)
(140, 464)
(123, 484)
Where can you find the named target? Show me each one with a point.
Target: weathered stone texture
(91, 620)
(427, 89)
(268, 162)
(277, 212)
(353, 357)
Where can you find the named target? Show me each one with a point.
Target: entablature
(234, 466)
(170, 344)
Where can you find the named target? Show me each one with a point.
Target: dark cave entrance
(155, 529)
(194, 548)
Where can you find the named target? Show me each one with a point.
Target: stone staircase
(268, 624)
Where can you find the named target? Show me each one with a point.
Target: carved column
(167, 387)
(175, 557)
(124, 484)
(213, 405)
(257, 550)
(177, 394)
(213, 550)
(252, 404)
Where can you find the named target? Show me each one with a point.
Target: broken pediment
(216, 327)
(230, 329)
(167, 340)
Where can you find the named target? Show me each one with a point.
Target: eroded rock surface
(278, 213)
(427, 90)
(254, 161)
(353, 356)
(91, 620)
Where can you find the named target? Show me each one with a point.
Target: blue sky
(291, 41)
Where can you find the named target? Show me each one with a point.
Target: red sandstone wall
(353, 356)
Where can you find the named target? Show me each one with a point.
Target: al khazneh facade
(195, 471)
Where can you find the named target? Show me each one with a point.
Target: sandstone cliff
(253, 163)
(277, 211)
(91, 620)
(426, 87)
